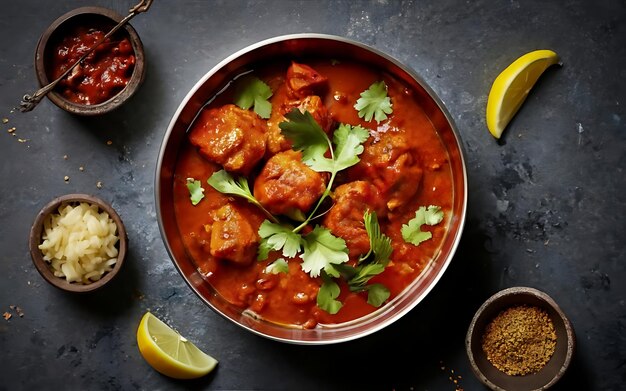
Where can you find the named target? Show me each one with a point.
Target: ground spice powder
(520, 340)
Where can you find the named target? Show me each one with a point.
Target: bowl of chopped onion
(78, 243)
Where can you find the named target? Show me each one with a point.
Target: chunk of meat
(286, 185)
(232, 236)
(302, 81)
(393, 166)
(345, 218)
(230, 136)
(276, 142)
(314, 105)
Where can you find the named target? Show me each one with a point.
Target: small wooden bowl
(89, 16)
(545, 378)
(44, 268)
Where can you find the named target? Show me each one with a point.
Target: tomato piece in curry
(404, 165)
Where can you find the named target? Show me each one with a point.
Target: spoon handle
(30, 101)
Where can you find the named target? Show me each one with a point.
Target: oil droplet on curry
(403, 166)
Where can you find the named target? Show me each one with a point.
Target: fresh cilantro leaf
(327, 295)
(412, 233)
(321, 249)
(358, 276)
(305, 134)
(377, 294)
(374, 102)
(223, 182)
(196, 192)
(278, 266)
(278, 237)
(380, 244)
(348, 145)
(348, 142)
(262, 107)
(332, 270)
(263, 251)
(252, 91)
(363, 274)
(433, 215)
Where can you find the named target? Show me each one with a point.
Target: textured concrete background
(546, 204)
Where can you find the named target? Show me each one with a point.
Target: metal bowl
(300, 46)
(87, 16)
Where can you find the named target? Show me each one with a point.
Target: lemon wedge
(170, 353)
(512, 86)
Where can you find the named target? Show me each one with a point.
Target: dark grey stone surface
(546, 204)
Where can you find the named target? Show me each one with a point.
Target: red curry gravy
(290, 298)
(104, 73)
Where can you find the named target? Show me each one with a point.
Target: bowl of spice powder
(520, 339)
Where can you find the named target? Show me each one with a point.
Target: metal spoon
(30, 101)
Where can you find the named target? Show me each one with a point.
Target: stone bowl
(44, 268)
(88, 16)
(550, 374)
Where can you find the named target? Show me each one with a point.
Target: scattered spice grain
(455, 379)
(99, 185)
(6, 316)
(17, 310)
(520, 340)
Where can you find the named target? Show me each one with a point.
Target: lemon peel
(511, 87)
(170, 353)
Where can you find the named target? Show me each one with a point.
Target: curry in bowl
(312, 192)
(311, 189)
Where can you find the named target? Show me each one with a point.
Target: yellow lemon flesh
(170, 353)
(512, 86)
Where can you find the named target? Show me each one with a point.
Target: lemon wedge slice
(170, 353)
(512, 86)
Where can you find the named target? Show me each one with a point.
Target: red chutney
(101, 75)
(417, 174)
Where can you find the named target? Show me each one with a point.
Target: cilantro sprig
(223, 182)
(278, 237)
(371, 264)
(196, 192)
(322, 250)
(380, 244)
(374, 103)
(307, 136)
(412, 230)
(328, 294)
(250, 91)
